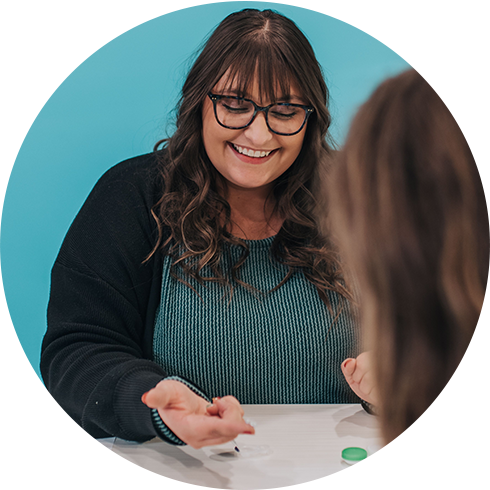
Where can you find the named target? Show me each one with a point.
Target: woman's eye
(235, 108)
(284, 112)
(236, 105)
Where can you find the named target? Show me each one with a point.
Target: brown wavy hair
(408, 208)
(193, 217)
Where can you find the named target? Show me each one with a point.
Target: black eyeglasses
(282, 118)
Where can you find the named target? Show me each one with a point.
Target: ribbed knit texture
(262, 348)
(162, 430)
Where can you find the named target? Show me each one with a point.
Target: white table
(305, 443)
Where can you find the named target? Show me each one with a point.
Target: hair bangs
(259, 63)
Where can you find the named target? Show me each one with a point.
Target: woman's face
(226, 147)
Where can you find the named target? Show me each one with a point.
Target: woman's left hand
(359, 374)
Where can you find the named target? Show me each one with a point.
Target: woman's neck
(253, 215)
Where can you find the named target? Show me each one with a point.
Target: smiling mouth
(251, 153)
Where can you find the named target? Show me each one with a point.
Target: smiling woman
(198, 271)
(246, 151)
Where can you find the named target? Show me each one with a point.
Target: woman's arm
(96, 351)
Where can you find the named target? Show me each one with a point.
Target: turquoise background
(116, 105)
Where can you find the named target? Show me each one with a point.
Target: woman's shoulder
(141, 174)
(123, 197)
(117, 214)
(135, 180)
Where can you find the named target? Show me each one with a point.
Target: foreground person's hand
(187, 416)
(359, 374)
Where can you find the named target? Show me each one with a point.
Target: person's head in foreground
(408, 209)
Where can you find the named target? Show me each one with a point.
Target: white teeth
(251, 153)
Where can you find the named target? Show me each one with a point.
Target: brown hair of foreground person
(408, 210)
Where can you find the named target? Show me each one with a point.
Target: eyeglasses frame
(214, 98)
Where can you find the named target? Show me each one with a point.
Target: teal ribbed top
(265, 348)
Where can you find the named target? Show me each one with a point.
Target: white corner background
(42, 42)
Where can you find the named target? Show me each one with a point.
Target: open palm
(191, 419)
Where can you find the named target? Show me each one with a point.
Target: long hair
(408, 208)
(192, 213)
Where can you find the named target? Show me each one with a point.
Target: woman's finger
(200, 429)
(229, 407)
(368, 389)
(366, 385)
(224, 427)
(348, 367)
(161, 394)
(358, 374)
(155, 398)
(212, 409)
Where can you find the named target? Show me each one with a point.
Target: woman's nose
(258, 132)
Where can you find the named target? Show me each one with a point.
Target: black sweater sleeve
(96, 354)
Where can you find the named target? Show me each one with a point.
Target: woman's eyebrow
(231, 92)
(292, 99)
(286, 98)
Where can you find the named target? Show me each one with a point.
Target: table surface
(304, 443)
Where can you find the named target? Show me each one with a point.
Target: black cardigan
(97, 351)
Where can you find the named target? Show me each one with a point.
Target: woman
(409, 211)
(186, 273)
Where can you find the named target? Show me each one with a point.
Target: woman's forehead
(237, 83)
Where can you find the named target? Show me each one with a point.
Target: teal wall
(117, 104)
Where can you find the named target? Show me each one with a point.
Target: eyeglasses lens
(237, 113)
